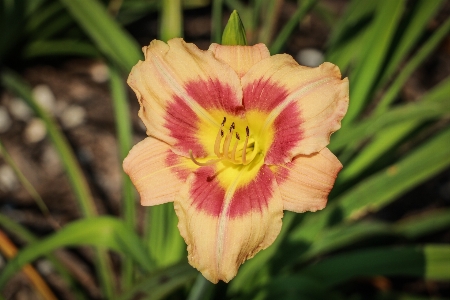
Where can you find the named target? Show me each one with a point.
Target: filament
(224, 153)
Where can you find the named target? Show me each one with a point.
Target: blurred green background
(67, 120)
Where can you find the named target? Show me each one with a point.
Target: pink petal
(240, 58)
(224, 227)
(305, 105)
(156, 172)
(178, 85)
(306, 182)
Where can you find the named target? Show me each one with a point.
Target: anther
(224, 120)
(221, 132)
(237, 136)
(232, 127)
(247, 131)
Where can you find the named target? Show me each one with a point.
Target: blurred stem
(162, 238)
(236, 5)
(73, 170)
(412, 65)
(414, 23)
(270, 12)
(22, 233)
(15, 228)
(114, 7)
(280, 41)
(171, 22)
(105, 272)
(79, 185)
(9, 250)
(124, 133)
(374, 51)
(201, 288)
(255, 18)
(28, 186)
(162, 283)
(216, 30)
(105, 32)
(124, 136)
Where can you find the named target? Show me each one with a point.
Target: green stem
(200, 289)
(412, 65)
(77, 180)
(280, 41)
(73, 170)
(28, 186)
(216, 29)
(171, 22)
(124, 136)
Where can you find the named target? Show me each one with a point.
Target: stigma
(230, 146)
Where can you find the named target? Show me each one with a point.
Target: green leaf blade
(104, 232)
(107, 34)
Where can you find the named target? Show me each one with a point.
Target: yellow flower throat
(228, 153)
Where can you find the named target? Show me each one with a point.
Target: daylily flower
(236, 136)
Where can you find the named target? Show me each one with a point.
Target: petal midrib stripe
(223, 218)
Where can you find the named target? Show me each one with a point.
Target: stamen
(219, 137)
(217, 143)
(233, 153)
(224, 154)
(244, 149)
(226, 144)
(207, 163)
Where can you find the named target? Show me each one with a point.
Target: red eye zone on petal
(208, 194)
(183, 123)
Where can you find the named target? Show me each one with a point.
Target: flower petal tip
(223, 228)
(240, 58)
(306, 182)
(149, 166)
